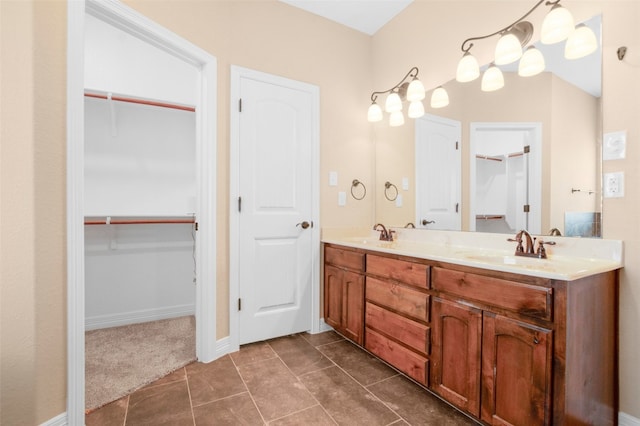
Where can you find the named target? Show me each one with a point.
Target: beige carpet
(120, 360)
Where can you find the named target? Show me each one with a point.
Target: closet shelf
(137, 220)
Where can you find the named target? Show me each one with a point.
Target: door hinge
(196, 226)
(526, 149)
(457, 207)
(239, 304)
(456, 145)
(239, 204)
(526, 208)
(240, 105)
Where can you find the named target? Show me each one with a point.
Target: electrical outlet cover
(613, 185)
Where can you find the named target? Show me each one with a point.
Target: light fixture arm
(466, 48)
(374, 95)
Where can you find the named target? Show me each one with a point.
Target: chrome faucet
(385, 234)
(529, 250)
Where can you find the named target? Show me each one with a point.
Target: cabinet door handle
(304, 224)
(535, 340)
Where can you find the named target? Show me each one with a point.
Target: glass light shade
(492, 79)
(468, 68)
(581, 42)
(396, 119)
(393, 103)
(508, 49)
(439, 98)
(415, 91)
(532, 63)
(557, 25)
(375, 113)
(416, 109)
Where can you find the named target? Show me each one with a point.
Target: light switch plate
(399, 200)
(342, 198)
(614, 145)
(613, 185)
(405, 183)
(333, 178)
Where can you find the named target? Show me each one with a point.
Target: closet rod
(141, 101)
(142, 221)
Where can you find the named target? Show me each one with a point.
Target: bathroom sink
(506, 259)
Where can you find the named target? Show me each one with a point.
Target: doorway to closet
(141, 198)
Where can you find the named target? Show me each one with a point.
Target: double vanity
(508, 340)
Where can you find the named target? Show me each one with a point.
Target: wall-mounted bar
(489, 217)
(108, 220)
(139, 101)
(487, 157)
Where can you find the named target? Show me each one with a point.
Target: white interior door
(438, 169)
(276, 136)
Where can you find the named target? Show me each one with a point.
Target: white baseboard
(59, 420)
(324, 326)
(125, 318)
(625, 419)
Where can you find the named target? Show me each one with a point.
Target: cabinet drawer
(525, 299)
(405, 360)
(401, 270)
(404, 300)
(343, 257)
(411, 333)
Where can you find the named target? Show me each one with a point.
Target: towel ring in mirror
(388, 185)
(355, 184)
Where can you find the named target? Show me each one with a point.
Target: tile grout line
(305, 387)
(126, 411)
(247, 388)
(186, 378)
(365, 387)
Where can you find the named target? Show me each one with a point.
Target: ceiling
(366, 16)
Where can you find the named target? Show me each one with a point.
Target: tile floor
(303, 379)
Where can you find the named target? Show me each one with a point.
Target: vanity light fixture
(409, 90)
(439, 98)
(558, 25)
(492, 79)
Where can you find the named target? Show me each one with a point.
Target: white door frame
(125, 18)
(234, 216)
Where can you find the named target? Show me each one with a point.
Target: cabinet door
(455, 354)
(516, 372)
(353, 306)
(333, 284)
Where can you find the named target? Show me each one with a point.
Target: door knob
(425, 222)
(305, 224)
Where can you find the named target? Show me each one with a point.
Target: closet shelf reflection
(130, 220)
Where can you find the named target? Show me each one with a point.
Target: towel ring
(388, 185)
(355, 184)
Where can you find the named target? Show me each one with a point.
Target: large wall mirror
(528, 154)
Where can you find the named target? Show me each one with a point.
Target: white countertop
(569, 259)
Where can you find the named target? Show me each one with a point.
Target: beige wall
(274, 38)
(32, 220)
(428, 34)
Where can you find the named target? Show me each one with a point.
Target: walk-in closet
(140, 204)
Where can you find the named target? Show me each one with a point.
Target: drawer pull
(535, 340)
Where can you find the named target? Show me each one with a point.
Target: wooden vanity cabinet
(344, 292)
(508, 349)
